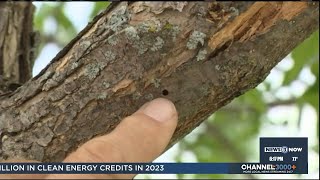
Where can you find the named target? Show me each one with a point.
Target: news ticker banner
(146, 168)
(277, 156)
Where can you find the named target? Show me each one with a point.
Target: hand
(141, 137)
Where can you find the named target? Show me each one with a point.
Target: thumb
(141, 137)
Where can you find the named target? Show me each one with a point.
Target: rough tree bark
(16, 44)
(200, 55)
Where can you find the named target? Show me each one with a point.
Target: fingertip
(160, 109)
(141, 137)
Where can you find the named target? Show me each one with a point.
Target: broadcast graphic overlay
(277, 156)
(285, 153)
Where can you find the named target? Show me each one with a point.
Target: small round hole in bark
(165, 92)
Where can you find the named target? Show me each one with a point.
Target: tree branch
(135, 52)
(16, 44)
(282, 103)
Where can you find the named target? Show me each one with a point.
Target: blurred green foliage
(305, 54)
(232, 133)
(98, 7)
(65, 30)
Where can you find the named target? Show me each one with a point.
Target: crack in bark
(257, 20)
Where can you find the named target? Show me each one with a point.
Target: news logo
(292, 153)
(261, 168)
(283, 149)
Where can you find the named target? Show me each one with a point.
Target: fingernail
(160, 109)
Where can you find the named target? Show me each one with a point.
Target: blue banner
(277, 156)
(146, 168)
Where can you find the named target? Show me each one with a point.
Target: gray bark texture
(16, 44)
(200, 55)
